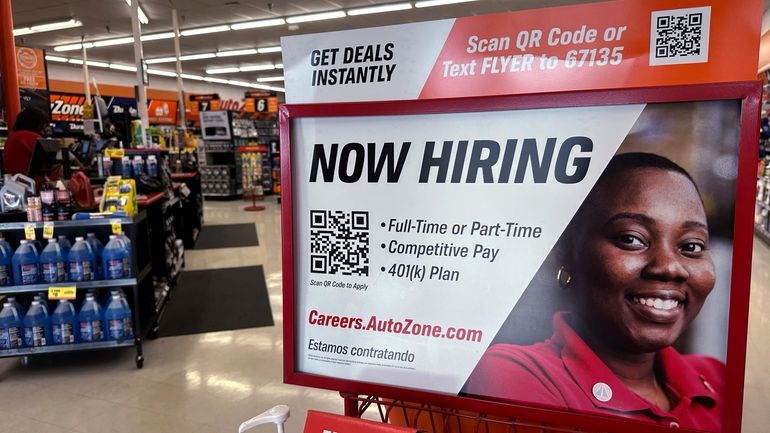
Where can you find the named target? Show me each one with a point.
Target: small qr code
(339, 242)
(680, 36)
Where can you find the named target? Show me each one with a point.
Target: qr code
(680, 36)
(339, 242)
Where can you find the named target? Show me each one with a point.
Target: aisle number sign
(62, 292)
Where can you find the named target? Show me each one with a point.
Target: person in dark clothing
(30, 125)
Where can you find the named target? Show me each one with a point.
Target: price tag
(29, 232)
(48, 230)
(117, 227)
(62, 292)
(116, 153)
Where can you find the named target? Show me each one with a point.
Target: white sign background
(486, 291)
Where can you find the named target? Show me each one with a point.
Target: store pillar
(10, 80)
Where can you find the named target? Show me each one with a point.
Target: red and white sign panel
(624, 43)
(526, 255)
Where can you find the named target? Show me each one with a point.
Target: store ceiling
(111, 19)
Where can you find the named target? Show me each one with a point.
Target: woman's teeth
(658, 303)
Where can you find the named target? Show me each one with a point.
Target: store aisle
(209, 383)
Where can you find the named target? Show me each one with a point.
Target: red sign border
(749, 92)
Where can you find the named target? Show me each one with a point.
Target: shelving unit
(140, 294)
(762, 208)
(220, 167)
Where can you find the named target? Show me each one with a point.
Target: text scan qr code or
(680, 36)
(339, 242)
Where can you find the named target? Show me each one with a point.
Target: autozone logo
(67, 108)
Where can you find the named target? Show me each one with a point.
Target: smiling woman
(636, 260)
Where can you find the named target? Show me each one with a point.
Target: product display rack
(220, 167)
(140, 295)
(267, 136)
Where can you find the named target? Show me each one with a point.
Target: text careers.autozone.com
(405, 326)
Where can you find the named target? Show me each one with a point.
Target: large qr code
(680, 36)
(339, 242)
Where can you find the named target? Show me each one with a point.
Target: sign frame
(748, 92)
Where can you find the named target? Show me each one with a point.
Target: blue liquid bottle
(64, 323)
(6, 276)
(115, 259)
(26, 264)
(130, 258)
(81, 261)
(10, 328)
(53, 265)
(96, 247)
(118, 318)
(16, 304)
(37, 326)
(91, 321)
(65, 245)
(6, 247)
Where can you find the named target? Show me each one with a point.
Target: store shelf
(100, 345)
(83, 285)
(183, 176)
(73, 223)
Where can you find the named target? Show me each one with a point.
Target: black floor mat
(217, 300)
(227, 236)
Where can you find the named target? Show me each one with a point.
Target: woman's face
(641, 262)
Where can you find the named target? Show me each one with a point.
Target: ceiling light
(379, 9)
(277, 89)
(197, 56)
(252, 68)
(120, 67)
(98, 64)
(204, 30)
(270, 79)
(59, 25)
(279, 66)
(160, 60)
(222, 70)
(71, 47)
(160, 72)
(238, 83)
(214, 80)
(110, 42)
(260, 86)
(315, 17)
(157, 36)
(57, 59)
(269, 50)
(192, 77)
(142, 16)
(75, 61)
(237, 52)
(430, 3)
(258, 24)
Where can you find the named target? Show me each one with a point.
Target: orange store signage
(30, 67)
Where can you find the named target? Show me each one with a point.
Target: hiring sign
(509, 254)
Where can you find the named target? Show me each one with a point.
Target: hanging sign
(30, 68)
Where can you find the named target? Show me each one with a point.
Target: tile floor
(209, 383)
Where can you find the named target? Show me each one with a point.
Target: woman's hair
(31, 119)
(618, 166)
(633, 160)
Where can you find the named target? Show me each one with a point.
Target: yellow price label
(117, 227)
(48, 230)
(115, 153)
(29, 231)
(62, 292)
